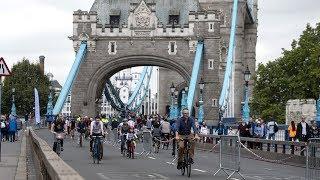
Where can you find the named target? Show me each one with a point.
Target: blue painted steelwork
(230, 61)
(246, 108)
(318, 112)
(13, 109)
(172, 109)
(200, 111)
(137, 106)
(194, 75)
(113, 97)
(183, 101)
(138, 87)
(49, 108)
(71, 77)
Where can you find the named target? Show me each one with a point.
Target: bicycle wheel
(80, 140)
(188, 164)
(183, 169)
(100, 150)
(58, 150)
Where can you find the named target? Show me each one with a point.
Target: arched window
(223, 54)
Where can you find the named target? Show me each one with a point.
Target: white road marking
(199, 170)
(151, 158)
(170, 163)
(102, 176)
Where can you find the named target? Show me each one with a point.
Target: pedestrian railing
(48, 164)
(285, 152)
(313, 159)
(147, 143)
(229, 155)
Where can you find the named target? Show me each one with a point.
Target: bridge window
(172, 48)
(222, 18)
(223, 54)
(173, 19)
(211, 27)
(112, 47)
(114, 20)
(214, 103)
(210, 63)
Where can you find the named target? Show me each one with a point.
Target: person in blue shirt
(12, 128)
(185, 125)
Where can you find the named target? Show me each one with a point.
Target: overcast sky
(30, 28)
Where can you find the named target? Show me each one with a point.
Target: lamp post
(172, 89)
(183, 103)
(318, 101)
(13, 107)
(246, 109)
(201, 111)
(49, 113)
(176, 111)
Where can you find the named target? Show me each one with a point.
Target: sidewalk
(10, 153)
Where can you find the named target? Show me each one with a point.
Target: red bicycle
(131, 147)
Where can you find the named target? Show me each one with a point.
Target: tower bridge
(120, 34)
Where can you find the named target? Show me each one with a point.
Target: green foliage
(295, 75)
(25, 77)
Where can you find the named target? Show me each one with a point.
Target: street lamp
(318, 101)
(13, 107)
(246, 108)
(201, 111)
(172, 89)
(49, 113)
(176, 111)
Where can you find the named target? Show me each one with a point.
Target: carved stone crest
(142, 15)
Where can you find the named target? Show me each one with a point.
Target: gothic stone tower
(164, 33)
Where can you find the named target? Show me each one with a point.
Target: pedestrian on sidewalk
(3, 126)
(12, 128)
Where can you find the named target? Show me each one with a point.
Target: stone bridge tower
(126, 33)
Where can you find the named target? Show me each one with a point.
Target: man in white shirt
(272, 129)
(303, 130)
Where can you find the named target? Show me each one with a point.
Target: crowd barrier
(229, 156)
(146, 143)
(313, 159)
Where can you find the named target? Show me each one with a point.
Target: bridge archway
(97, 81)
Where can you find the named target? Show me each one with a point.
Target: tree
(25, 77)
(294, 75)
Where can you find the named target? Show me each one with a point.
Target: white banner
(36, 106)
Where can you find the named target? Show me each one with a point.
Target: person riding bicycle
(184, 126)
(81, 127)
(165, 130)
(59, 127)
(123, 130)
(96, 129)
(156, 135)
(131, 136)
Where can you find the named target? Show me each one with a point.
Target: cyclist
(123, 130)
(96, 129)
(81, 127)
(156, 133)
(165, 130)
(130, 137)
(58, 127)
(184, 126)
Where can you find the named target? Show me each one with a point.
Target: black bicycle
(58, 142)
(97, 151)
(186, 164)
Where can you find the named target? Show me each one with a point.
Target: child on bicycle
(131, 137)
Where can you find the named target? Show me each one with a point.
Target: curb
(21, 172)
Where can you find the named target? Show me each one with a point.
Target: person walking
(12, 128)
(292, 129)
(272, 127)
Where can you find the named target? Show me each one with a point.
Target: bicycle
(130, 150)
(57, 143)
(97, 151)
(186, 164)
(156, 144)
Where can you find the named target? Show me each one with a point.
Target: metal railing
(48, 164)
(313, 159)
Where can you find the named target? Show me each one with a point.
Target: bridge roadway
(114, 166)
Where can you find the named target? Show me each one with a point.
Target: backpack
(3, 124)
(275, 128)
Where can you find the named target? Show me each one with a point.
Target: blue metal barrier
(71, 77)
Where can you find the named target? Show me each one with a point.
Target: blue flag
(36, 106)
